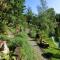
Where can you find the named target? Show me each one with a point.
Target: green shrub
(20, 40)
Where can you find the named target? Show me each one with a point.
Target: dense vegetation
(14, 22)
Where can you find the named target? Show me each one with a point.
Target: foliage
(12, 17)
(29, 15)
(53, 50)
(57, 17)
(4, 56)
(58, 25)
(47, 20)
(43, 6)
(11, 11)
(21, 41)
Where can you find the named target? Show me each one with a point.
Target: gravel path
(36, 49)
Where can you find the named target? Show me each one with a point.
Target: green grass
(21, 39)
(52, 49)
(27, 51)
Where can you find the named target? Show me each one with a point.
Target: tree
(47, 20)
(43, 6)
(11, 11)
(57, 17)
(50, 19)
(29, 15)
(57, 30)
(41, 11)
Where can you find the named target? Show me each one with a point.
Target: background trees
(58, 25)
(46, 17)
(29, 15)
(11, 12)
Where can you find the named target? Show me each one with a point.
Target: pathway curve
(36, 49)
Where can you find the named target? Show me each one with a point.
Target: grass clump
(20, 40)
(27, 52)
(52, 49)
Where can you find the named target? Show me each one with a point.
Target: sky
(50, 3)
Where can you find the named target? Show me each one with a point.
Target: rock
(3, 47)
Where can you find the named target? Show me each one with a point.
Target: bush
(20, 40)
(13, 43)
